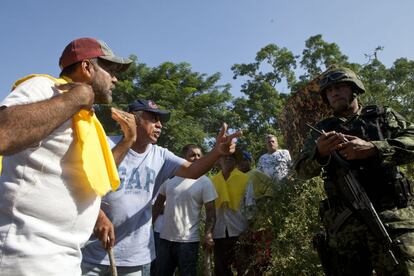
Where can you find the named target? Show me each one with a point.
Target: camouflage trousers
(353, 250)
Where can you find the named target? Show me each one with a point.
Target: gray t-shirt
(129, 207)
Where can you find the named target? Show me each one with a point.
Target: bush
(288, 221)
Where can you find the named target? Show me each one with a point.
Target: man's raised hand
(127, 122)
(226, 143)
(81, 93)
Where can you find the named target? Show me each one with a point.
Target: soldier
(374, 140)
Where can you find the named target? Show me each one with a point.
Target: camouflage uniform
(352, 249)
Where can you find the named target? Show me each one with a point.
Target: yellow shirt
(230, 191)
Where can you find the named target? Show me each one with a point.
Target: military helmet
(338, 75)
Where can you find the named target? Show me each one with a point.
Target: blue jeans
(173, 254)
(89, 269)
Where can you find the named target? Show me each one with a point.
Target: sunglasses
(335, 76)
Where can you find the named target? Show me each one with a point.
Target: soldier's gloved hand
(328, 142)
(356, 148)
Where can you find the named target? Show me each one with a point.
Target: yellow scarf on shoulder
(91, 145)
(1, 163)
(230, 191)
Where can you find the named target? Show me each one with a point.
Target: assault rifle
(358, 201)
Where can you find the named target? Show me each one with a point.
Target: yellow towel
(232, 190)
(99, 167)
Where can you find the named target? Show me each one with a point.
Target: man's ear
(87, 70)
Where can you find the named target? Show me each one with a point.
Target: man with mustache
(125, 220)
(50, 186)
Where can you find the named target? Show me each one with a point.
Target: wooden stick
(114, 272)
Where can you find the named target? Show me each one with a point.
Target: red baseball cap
(86, 48)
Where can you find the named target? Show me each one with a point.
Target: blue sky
(211, 35)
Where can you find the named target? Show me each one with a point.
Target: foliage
(262, 109)
(303, 106)
(319, 55)
(257, 112)
(292, 217)
(390, 86)
(198, 104)
(286, 116)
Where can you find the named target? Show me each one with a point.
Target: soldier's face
(339, 97)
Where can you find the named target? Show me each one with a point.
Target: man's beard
(102, 96)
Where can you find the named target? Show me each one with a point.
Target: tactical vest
(386, 187)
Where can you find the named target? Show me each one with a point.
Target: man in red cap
(50, 187)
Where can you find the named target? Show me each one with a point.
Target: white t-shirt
(130, 206)
(184, 199)
(275, 165)
(45, 217)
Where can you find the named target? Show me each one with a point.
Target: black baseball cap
(149, 106)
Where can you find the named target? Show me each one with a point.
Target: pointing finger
(222, 132)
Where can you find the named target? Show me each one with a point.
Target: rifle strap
(339, 221)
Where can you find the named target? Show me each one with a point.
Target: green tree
(319, 55)
(292, 215)
(198, 104)
(392, 86)
(257, 110)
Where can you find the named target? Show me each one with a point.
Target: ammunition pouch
(333, 214)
